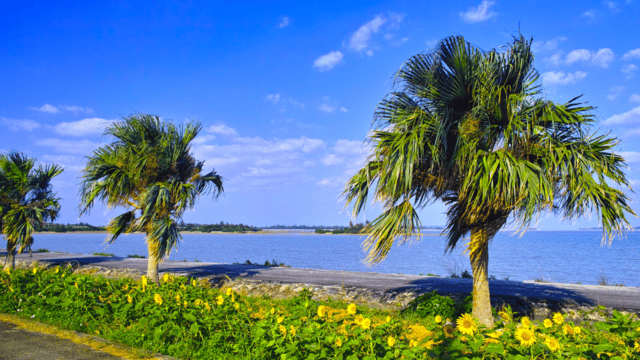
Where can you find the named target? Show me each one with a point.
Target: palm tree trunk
(479, 255)
(152, 264)
(10, 261)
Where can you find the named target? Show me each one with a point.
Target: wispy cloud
(602, 57)
(222, 129)
(351, 154)
(328, 61)
(630, 156)
(326, 108)
(615, 91)
(84, 127)
(630, 117)
(47, 108)
(79, 147)
(284, 22)
(590, 14)
(561, 78)
(632, 54)
(69, 162)
(360, 40)
(273, 98)
(546, 46)
(634, 98)
(19, 124)
(629, 70)
(50, 109)
(480, 13)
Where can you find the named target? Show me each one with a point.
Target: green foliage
(432, 304)
(136, 256)
(183, 319)
(103, 254)
(273, 263)
(62, 228)
(41, 251)
(222, 227)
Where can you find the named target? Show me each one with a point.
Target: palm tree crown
(470, 128)
(26, 198)
(149, 169)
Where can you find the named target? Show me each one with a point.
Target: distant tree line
(62, 228)
(221, 227)
(303, 227)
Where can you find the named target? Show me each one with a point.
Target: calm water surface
(559, 256)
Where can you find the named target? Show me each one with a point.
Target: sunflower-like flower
(143, 280)
(206, 306)
(229, 291)
(391, 341)
(185, 303)
(388, 319)
(273, 311)
(351, 309)
(448, 331)
(158, 299)
(194, 283)
(178, 298)
(466, 324)
(198, 302)
(504, 316)
(165, 277)
(366, 323)
(129, 299)
(338, 342)
(553, 344)
(567, 329)
(321, 310)
(558, 318)
(525, 321)
(526, 336)
(547, 323)
(280, 319)
(438, 319)
(292, 330)
(35, 270)
(236, 306)
(220, 300)
(577, 330)
(283, 330)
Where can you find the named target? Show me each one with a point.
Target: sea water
(555, 256)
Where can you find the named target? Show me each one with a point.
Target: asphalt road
(623, 298)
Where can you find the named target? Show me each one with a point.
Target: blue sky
(285, 91)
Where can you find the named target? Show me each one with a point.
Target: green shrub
(432, 304)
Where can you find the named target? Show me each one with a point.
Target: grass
(103, 254)
(188, 320)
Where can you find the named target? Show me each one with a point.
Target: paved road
(627, 298)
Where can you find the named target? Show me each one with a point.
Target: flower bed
(184, 319)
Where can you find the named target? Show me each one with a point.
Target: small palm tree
(149, 169)
(470, 128)
(26, 199)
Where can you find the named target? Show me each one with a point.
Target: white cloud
(84, 127)
(481, 13)
(352, 153)
(274, 98)
(332, 159)
(80, 147)
(612, 5)
(17, 124)
(222, 129)
(76, 109)
(629, 69)
(631, 54)
(328, 61)
(48, 108)
(284, 22)
(69, 162)
(343, 109)
(614, 92)
(326, 108)
(555, 59)
(591, 14)
(602, 57)
(562, 78)
(630, 117)
(630, 156)
(360, 39)
(634, 98)
(549, 45)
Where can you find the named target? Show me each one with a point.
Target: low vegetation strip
(186, 319)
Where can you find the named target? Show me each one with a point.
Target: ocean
(554, 256)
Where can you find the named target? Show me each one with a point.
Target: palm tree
(471, 129)
(26, 199)
(149, 170)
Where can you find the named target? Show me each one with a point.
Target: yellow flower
(206, 306)
(321, 310)
(504, 316)
(391, 341)
(577, 330)
(76, 284)
(338, 342)
(448, 331)
(567, 329)
(525, 321)
(292, 330)
(366, 323)
(552, 343)
(466, 324)
(236, 306)
(283, 330)
(413, 343)
(229, 291)
(273, 311)
(438, 319)
(57, 269)
(636, 346)
(198, 302)
(165, 277)
(126, 287)
(526, 336)
(185, 303)
(351, 309)
(388, 319)
(129, 299)
(158, 299)
(35, 270)
(494, 335)
(194, 283)
(220, 300)
(178, 298)
(558, 318)
(547, 323)
(144, 282)
(280, 319)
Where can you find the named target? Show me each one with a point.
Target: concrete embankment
(537, 300)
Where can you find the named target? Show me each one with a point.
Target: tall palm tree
(148, 169)
(26, 199)
(471, 129)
